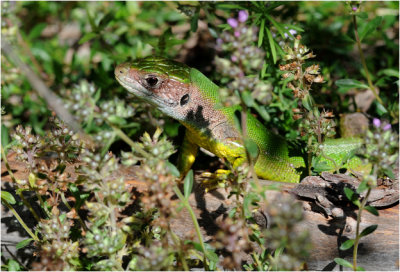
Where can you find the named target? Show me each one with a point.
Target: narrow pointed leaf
(372, 210)
(343, 262)
(188, 184)
(368, 230)
(6, 196)
(271, 44)
(346, 245)
(261, 33)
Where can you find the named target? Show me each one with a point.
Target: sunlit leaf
(6, 196)
(188, 183)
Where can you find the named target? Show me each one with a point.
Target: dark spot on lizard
(196, 117)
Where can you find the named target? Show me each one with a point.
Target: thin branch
(53, 101)
(364, 64)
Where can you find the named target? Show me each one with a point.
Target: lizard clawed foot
(212, 181)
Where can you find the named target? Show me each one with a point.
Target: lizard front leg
(187, 155)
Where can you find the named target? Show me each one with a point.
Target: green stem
(357, 239)
(243, 117)
(27, 204)
(4, 157)
(360, 209)
(127, 140)
(178, 243)
(309, 156)
(257, 261)
(122, 135)
(331, 160)
(64, 200)
(34, 237)
(194, 220)
(42, 204)
(364, 64)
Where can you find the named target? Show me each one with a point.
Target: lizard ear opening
(184, 99)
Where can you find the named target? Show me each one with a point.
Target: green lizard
(188, 96)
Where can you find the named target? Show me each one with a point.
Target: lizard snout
(121, 70)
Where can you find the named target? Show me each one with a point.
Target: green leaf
(237, 120)
(372, 210)
(196, 245)
(188, 184)
(172, 169)
(264, 69)
(32, 180)
(389, 72)
(213, 32)
(352, 196)
(389, 173)
(162, 40)
(261, 110)
(5, 138)
(116, 120)
(278, 27)
(350, 83)
(362, 187)
(380, 109)
(105, 20)
(194, 21)
(87, 37)
(368, 230)
(7, 197)
(347, 244)
(343, 262)
(247, 203)
(224, 5)
(308, 102)
(362, 15)
(23, 243)
(295, 27)
(271, 45)
(252, 148)
(370, 27)
(36, 31)
(261, 33)
(359, 268)
(90, 19)
(13, 265)
(212, 256)
(247, 98)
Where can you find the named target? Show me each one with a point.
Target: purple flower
(291, 31)
(233, 22)
(376, 122)
(234, 58)
(219, 41)
(237, 34)
(243, 15)
(354, 8)
(387, 127)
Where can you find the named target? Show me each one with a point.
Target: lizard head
(161, 82)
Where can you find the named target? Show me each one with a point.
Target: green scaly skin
(188, 96)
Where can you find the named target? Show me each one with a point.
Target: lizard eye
(152, 81)
(184, 99)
